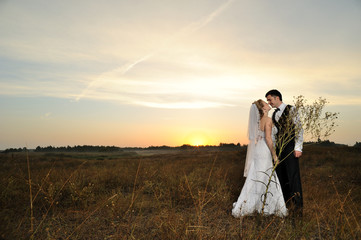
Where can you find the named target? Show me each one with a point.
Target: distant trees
(84, 148)
(229, 145)
(164, 147)
(9, 150)
(89, 148)
(221, 146)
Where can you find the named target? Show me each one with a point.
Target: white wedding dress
(253, 192)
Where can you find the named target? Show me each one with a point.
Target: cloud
(160, 93)
(118, 73)
(109, 52)
(195, 26)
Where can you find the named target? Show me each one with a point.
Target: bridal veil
(253, 128)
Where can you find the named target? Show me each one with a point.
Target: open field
(169, 195)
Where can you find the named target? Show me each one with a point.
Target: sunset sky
(136, 73)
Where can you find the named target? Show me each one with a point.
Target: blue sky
(141, 73)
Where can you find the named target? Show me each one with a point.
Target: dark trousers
(288, 173)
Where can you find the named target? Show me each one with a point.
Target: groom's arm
(299, 135)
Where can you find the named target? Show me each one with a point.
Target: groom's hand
(297, 154)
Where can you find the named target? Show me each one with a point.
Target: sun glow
(197, 139)
(198, 142)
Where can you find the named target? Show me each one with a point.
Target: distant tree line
(230, 145)
(89, 148)
(188, 146)
(84, 148)
(9, 150)
(326, 143)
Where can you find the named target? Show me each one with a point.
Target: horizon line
(159, 146)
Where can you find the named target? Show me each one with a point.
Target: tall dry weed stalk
(134, 186)
(341, 210)
(128, 216)
(33, 232)
(90, 215)
(30, 195)
(200, 202)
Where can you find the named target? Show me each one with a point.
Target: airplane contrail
(195, 26)
(192, 27)
(121, 70)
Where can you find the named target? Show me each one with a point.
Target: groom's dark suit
(288, 171)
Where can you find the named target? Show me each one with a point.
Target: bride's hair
(259, 105)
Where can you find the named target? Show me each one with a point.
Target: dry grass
(179, 195)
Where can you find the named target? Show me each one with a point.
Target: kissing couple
(273, 182)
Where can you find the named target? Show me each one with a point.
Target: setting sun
(198, 142)
(197, 139)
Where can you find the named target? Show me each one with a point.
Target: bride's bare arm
(268, 136)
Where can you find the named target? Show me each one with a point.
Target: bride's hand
(275, 160)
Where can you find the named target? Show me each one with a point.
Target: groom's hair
(274, 93)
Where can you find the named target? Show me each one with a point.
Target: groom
(289, 140)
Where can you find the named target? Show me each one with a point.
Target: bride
(258, 168)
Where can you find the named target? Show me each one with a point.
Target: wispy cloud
(175, 64)
(195, 26)
(118, 73)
